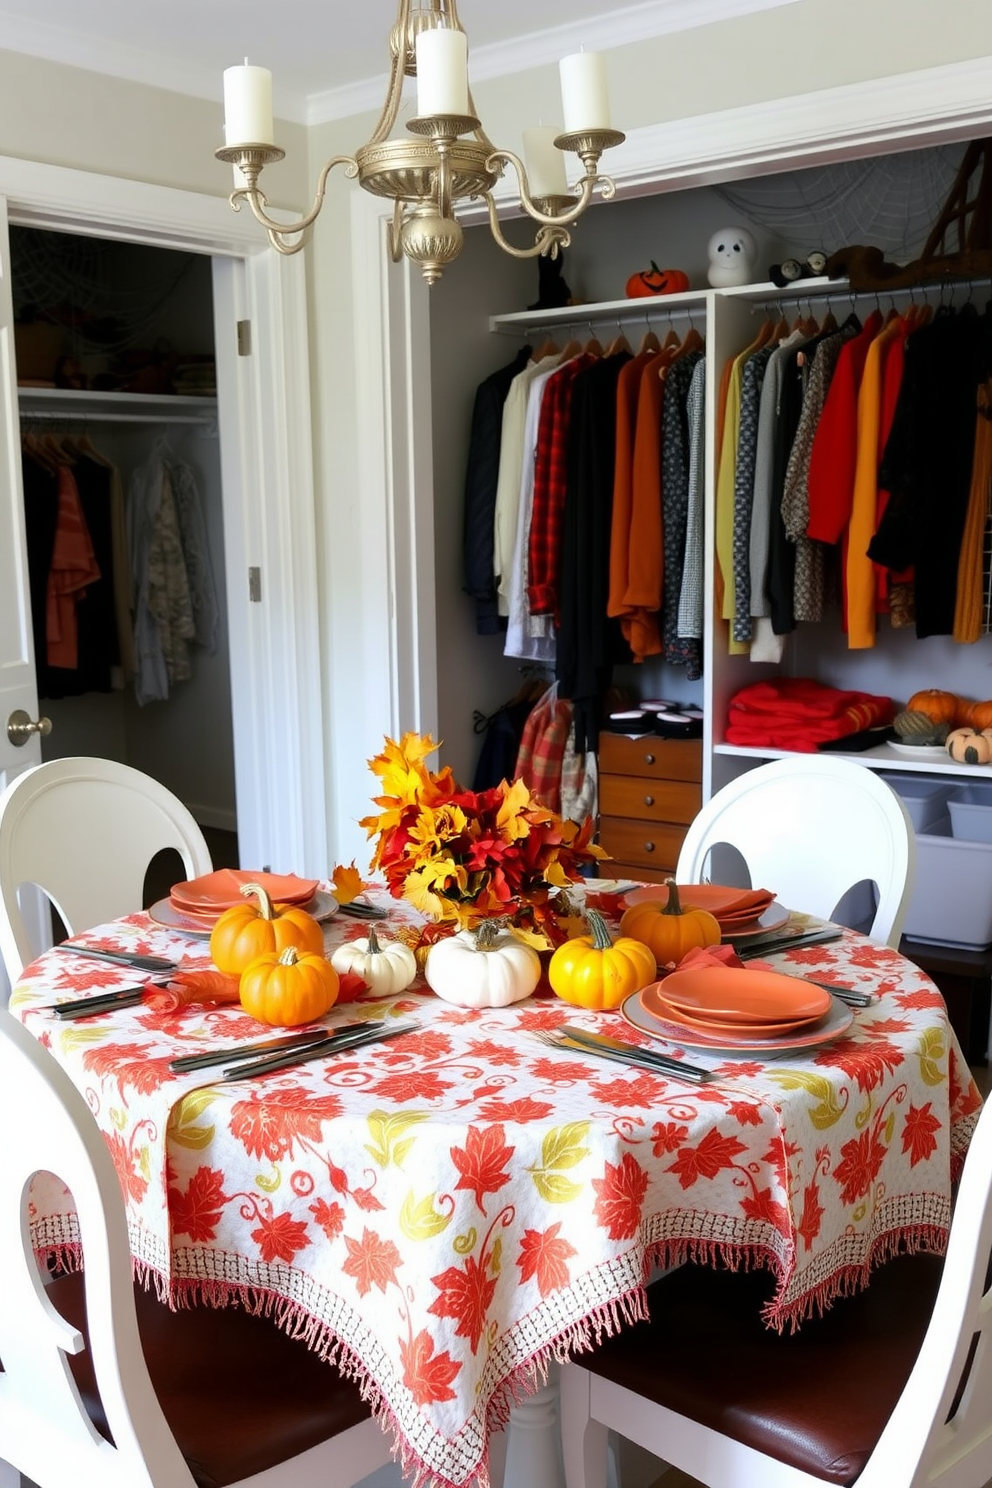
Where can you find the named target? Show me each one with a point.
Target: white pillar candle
(545, 162)
(583, 92)
(248, 106)
(442, 72)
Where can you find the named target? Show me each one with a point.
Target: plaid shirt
(544, 542)
(542, 747)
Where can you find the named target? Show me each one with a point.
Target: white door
(18, 693)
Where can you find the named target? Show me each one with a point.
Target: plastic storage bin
(971, 811)
(923, 797)
(951, 902)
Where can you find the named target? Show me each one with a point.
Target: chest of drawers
(649, 791)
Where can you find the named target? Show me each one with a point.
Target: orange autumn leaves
(465, 856)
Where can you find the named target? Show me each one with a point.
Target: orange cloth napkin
(186, 987)
(716, 955)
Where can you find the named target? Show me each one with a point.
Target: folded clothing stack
(800, 714)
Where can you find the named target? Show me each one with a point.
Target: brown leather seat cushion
(816, 1399)
(238, 1392)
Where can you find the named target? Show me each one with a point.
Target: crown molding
(606, 32)
(933, 106)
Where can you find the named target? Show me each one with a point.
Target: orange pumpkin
(286, 989)
(667, 929)
(247, 930)
(594, 971)
(980, 715)
(941, 707)
(656, 282)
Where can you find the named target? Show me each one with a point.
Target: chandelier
(448, 160)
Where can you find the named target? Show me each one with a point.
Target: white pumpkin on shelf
(488, 967)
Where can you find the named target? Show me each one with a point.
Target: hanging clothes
(481, 477)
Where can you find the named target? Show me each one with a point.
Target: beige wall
(67, 116)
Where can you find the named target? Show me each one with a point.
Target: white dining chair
(101, 1384)
(891, 1388)
(811, 828)
(85, 830)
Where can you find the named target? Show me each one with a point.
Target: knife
(610, 1048)
(187, 1062)
(103, 1002)
(122, 958)
(329, 1045)
(787, 942)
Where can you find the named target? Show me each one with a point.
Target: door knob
(20, 727)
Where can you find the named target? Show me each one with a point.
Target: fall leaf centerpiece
(461, 857)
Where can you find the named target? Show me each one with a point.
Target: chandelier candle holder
(449, 160)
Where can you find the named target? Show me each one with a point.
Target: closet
(612, 242)
(116, 373)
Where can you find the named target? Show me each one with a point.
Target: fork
(647, 1059)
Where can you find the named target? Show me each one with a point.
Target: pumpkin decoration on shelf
(247, 930)
(980, 715)
(667, 928)
(285, 989)
(939, 706)
(386, 967)
(486, 967)
(915, 727)
(597, 972)
(970, 746)
(655, 281)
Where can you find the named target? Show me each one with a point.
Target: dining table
(447, 1214)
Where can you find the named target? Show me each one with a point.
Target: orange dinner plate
(713, 1026)
(833, 1025)
(215, 891)
(739, 995)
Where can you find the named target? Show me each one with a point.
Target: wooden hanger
(33, 448)
(618, 344)
(594, 347)
(546, 349)
(572, 349)
(650, 342)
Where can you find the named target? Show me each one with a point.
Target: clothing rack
(58, 405)
(118, 418)
(804, 292)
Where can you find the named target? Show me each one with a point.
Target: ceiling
(328, 57)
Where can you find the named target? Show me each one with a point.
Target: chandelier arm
(393, 240)
(397, 71)
(587, 185)
(549, 238)
(256, 199)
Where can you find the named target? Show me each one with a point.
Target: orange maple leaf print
(427, 1375)
(195, 1213)
(621, 1193)
(372, 1261)
(544, 1255)
(482, 1161)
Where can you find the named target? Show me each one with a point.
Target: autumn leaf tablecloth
(443, 1214)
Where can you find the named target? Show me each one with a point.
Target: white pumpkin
(488, 967)
(386, 967)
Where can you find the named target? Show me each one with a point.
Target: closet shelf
(699, 301)
(879, 758)
(145, 408)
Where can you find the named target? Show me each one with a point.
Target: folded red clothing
(798, 713)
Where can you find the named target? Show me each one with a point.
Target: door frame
(932, 106)
(267, 477)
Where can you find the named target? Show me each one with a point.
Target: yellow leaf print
(385, 1129)
(271, 1184)
(562, 1146)
(932, 1054)
(828, 1110)
(419, 1220)
(185, 1113)
(554, 1189)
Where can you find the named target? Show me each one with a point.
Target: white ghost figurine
(732, 253)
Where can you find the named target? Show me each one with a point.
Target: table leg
(533, 1440)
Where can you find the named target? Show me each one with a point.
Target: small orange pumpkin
(942, 707)
(594, 971)
(668, 929)
(656, 282)
(285, 989)
(246, 930)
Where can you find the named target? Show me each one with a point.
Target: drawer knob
(649, 847)
(649, 800)
(649, 759)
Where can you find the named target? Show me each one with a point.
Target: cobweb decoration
(889, 201)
